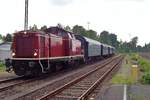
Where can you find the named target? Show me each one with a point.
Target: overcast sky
(125, 18)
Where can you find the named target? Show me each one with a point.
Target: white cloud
(61, 2)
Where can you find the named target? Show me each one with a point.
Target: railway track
(81, 87)
(37, 88)
(9, 79)
(10, 83)
(37, 93)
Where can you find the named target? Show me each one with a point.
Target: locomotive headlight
(25, 32)
(35, 54)
(13, 54)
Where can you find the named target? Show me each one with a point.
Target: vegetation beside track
(122, 79)
(2, 66)
(144, 66)
(124, 75)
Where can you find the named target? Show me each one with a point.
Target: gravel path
(6, 75)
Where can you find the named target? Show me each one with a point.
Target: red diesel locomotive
(36, 52)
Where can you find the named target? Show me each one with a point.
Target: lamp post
(26, 16)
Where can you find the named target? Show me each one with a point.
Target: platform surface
(128, 92)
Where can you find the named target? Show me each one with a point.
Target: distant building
(5, 51)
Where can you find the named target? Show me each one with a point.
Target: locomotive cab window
(63, 34)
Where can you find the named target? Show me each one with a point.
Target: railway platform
(124, 92)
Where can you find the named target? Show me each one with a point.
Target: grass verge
(124, 74)
(2, 66)
(144, 66)
(121, 79)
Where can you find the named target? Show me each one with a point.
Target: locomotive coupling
(8, 63)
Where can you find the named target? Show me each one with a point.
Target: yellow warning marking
(135, 72)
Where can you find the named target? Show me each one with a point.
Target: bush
(2, 67)
(146, 78)
(134, 56)
(145, 68)
(144, 65)
(1, 64)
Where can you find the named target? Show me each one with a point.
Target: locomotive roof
(57, 28)
(87, 39)
(108, 46)
(91, 40)
(30, 31)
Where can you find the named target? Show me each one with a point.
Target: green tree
(8, 38)
(79, 30)
(1, 36)
(104, 37)
(92, 34)
(43, 28)
(67, 28)
(124, 47)
(33, 28)
(133, 43)
(113, 40)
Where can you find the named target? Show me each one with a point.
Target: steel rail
(13, 84)
(2, 88)
(10, 79)
(86, 93)
(61, 88)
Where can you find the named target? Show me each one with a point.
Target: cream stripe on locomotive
(51, 58)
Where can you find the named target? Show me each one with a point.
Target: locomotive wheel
(19, 70)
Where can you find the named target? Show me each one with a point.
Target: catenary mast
(26, 16)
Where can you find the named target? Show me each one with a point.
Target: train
(38, 52)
